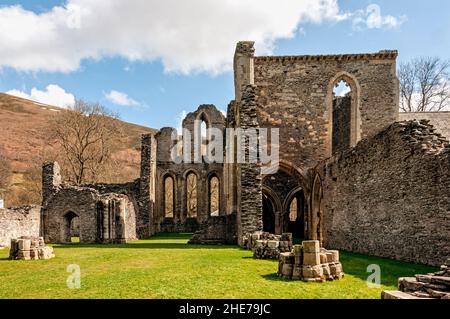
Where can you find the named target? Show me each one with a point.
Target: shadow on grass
(356, 265)
(148, 245)
(158, 241)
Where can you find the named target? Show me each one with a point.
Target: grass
(166, 267)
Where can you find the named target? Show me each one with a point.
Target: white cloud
(372, 18)
(187, 36)
(120, 98)
(52, 95)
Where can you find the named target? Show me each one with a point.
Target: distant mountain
(23, 125)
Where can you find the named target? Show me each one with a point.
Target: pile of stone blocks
(431, 286)
(268, 246)
(30, 248)
(310, 263)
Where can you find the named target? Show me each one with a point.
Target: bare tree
(5, 170)
(84, 134)
(424, 85)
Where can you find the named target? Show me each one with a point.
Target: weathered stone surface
(309, 268)
(435, 285)
(311, 246)
(30, 248)
(397, 295)
(374, 215)
(20, 221)
(311, 259)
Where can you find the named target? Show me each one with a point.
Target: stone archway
(295, 213)
(70, 232)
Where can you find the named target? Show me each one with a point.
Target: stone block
(34, 253)
(297, 273)
(397, 295)
(287, 258)
(287, 270)
(312, 271)
(273, 244)
(311, 259)
(311, 246)
(23, 255)
(298, 249)
(323, 258)
(326, 271)
(24, 244)
(334, 256)
(409, 284)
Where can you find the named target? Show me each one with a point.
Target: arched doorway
(71, 229)
(296, 215)
(268, 214)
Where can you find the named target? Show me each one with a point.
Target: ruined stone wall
(115, 224)
(217, 230)
(296, 94)
(17, 222)
(249, 179)
(389, 196)
(440, 120)
(147, 187)
(189, 161)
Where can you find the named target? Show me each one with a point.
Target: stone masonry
(30, 248)
(393, 192)
(350, 174)
(310, 263)
(431, 286)
(17, 222)
(267, 246)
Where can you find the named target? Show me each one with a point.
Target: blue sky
(159, 73)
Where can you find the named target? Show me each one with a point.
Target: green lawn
(166, 267)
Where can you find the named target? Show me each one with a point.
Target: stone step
(395, 294)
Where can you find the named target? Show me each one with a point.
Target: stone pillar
(144, 221)
(249, 217)
(244, 73)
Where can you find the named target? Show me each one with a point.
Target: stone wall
(297, 93)
(440, 120)
(18, 222)
(217, 230)
(389, 196)
(189, 161)
(249, 179)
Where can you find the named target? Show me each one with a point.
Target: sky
(152, 61)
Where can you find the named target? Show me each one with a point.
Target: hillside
(23, 126)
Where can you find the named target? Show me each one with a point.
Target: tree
(424, 85)
(5, 171)
(84, 135)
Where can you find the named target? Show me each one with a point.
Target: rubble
(310, 263)
(267, 246)
(30, 248)
(430, 286)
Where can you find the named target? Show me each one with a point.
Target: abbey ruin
(353, 173)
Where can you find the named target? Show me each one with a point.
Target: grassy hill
(23, 127)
